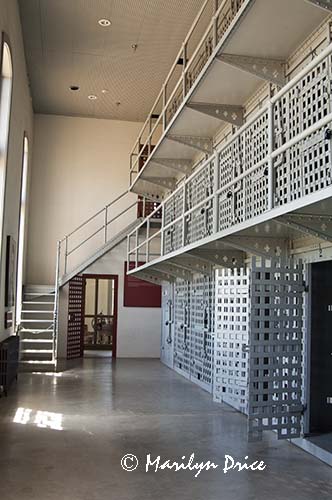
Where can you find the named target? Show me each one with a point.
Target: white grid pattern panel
(231, 338)
(173, 237)
(173, 207)
(202, 328)
(182, 327)
(200, 186)
(199, 223)
(305, 167)
(167, 327)
(276, 349)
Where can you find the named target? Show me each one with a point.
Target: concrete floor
(139, 407)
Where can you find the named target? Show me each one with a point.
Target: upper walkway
(263, 175)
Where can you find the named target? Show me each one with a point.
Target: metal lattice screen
(276, 349)
(194, 328)
(202, 330)
(231, 338)
(167, 327)
(182, 327)
(75, 318)
(305, 167)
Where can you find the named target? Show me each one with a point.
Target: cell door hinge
(306, 287)
(304, 408)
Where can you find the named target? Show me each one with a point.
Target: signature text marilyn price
(130, 462)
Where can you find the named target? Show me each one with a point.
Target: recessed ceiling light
(105, 23)
(92, 97)
(74, 88)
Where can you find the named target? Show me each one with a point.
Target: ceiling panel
(65, 46)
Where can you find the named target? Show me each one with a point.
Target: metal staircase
(37, 328)
(91, 240)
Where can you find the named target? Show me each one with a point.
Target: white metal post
(56, 304)
(215, 23)
(215, 190)
(106, 221)
(184, 70)
(270, 159)
(164, 107)
(144, 207)
(147, 256)
(136, 247)
(66, 253)
(184, 207)
(162, 229)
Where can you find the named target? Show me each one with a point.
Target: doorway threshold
(318, 446)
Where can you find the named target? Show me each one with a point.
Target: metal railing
(268, 163)
(97, 230)
(213, 20)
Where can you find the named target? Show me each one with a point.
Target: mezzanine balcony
(242, 44)
(269, 184)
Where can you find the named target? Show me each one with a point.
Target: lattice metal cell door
(182, 327)
(167, 327)
(276, 348)
(231, 359)
(201, 321)
(76, 297)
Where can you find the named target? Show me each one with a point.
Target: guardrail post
(136, 249)
(184, 71)
(106, 222)
(128, 248)
(270, 159)
(162, 229)
(215, 23)
(147, 257)
(215, 189)
(164, 107)
(184, 206)
(66, 253)
(144, 207)
(56, 304)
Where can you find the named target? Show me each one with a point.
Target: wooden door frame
(114, 277)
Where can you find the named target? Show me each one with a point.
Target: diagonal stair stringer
(91, 259)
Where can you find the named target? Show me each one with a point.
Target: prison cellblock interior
(238, 333)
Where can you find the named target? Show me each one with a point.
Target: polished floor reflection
(63, 437)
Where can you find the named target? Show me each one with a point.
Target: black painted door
(321, 348)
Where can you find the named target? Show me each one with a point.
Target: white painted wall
(138, 327)
(80, 165)
(21, 121)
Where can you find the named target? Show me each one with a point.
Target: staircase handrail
(80, 226)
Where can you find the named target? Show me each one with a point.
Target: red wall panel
(139, 293)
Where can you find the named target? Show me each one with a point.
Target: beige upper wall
(21, 121)
(79, 166)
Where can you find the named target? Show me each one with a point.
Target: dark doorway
(100, 315)
(321, 349)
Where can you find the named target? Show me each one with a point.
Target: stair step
(27, 311)
(36, 351)
(37, 303)
(37, 341)
(39, 294)
(36, 330)
(36, 320)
